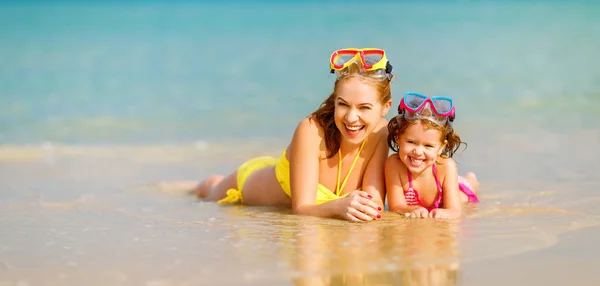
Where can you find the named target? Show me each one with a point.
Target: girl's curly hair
(397, 126)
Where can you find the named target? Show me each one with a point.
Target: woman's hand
(419, 212)
(358, 206)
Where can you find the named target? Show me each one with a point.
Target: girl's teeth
(353, 128)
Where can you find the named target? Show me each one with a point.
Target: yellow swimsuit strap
(339, 188)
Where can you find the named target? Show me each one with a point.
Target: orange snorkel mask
(373, 61)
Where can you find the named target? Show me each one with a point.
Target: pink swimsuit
(412, 196)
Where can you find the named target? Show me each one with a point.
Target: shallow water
(97, 214)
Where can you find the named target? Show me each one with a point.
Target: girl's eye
(365, 108)
(429, 146)
(342, 104)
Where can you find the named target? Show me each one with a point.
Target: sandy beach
(71, 216)
(572, 261)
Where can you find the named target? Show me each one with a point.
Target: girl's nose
(417, 151)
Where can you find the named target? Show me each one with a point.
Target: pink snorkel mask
(437, 109)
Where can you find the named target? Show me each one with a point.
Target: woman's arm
(304, 169)
(450, 196)
(395, 193)
(374, 178)
(304, 179)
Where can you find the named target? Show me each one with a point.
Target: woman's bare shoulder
(309, 126)
(308, 133)
(382, 125)
(380, 132)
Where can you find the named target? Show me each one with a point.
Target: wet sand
(94, 216)
(573, 260)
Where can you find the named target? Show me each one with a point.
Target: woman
(334, 164)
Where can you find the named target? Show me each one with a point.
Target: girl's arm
(304, 180)
(450, 195)
(395, 193)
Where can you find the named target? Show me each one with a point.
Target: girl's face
(419, 146)
(358, 109)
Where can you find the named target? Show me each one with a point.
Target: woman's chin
(355, 136)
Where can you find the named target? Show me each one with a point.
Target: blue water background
(159, 72)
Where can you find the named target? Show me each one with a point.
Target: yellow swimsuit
(282, 172)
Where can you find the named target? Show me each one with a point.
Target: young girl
(421, 178)
(333, 166)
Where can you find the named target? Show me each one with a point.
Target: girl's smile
(419, 146)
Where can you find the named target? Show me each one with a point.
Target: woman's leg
(260, 185)
(263, 189)
(203, 189)
(215, 187)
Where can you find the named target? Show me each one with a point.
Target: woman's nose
(352, 115)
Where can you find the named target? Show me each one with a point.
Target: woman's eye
(365, 108)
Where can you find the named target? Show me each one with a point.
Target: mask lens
(413, 101)
(442, 105)
(343, 58)
(372, 59)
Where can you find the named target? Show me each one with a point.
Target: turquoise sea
(100, 102)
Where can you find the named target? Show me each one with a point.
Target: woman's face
(358, 109)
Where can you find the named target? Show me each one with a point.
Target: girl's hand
(358, 206)
(440, 213)
(419, 212)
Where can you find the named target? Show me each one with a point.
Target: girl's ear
(442, 148)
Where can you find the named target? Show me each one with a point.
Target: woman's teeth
(354, 128)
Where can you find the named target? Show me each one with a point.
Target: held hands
(440, 213)
(422, 212)
(358, 206)
(419, 212)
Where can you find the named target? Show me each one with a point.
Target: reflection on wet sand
(394, 251)
(314, 251)
(67, 235)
